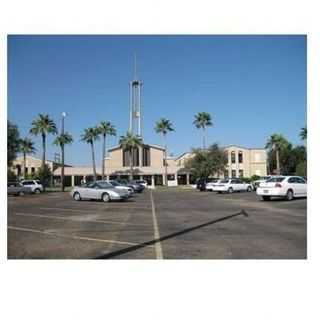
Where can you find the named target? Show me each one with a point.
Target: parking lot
(158, 224)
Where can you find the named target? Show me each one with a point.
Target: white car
(232, 185)
(100, 190)
(212, 184)
(34, 185)
(288, 187)
(120, 186)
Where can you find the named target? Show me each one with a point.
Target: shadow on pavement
(173, 235)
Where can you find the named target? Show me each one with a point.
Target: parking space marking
(71, 236)
(157, 245)
(80, 210)
(76, 219)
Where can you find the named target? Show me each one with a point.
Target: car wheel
(76, 196)
(249, 189)
(21, 193)
(289, 196)
(37, 191)
(230, 190)
(265, 198)
(219, 192)
(105, 197)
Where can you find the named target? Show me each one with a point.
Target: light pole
(62, 151)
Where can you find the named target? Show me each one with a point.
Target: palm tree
(130, 142)
(105, 128)
(276, 143)
(61, 141)
(164, 126)
(303, 133)
(26, 146)
(43, 126)
(89, 136)
(203, 120)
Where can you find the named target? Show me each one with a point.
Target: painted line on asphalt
(81, 210)
(157, 245)
(70, 236)
(74, 218)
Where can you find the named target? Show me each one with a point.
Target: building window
(240, 157)
(26, 170)
(33, 170)
(171, 177)
(226, 173)
(233, 157)
(233, 173)
(240, 173)
(126, 157)
(146, 157)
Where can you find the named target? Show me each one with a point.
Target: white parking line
(75, 218)
(70, 236)
(157, 245)
(81, 210)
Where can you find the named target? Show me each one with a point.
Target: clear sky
(252, 86)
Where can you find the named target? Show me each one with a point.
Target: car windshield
(115, 183)
(104, 185)
(276, 179)
(38, 182)
(224, 181)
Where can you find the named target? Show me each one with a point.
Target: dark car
(17, 189)
(135, 186)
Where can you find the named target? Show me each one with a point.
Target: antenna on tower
(135, 66)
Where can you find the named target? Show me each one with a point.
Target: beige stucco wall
(31, 162)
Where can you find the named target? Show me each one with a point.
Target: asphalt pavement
(158, 224)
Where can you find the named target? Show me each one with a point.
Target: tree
(12, 142)
(105, 128)
(26, 147)
(303, 133)
(43, 126)
(62, 140)
(203, 120)
(128, 143)
(205, 163)
(164, 126)
(89, 136)
(277, 144)
(44, 174)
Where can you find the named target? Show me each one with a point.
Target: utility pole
(62, 151)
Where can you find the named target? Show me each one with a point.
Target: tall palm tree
(276, 143)
(164, 126)
(62, 140)
(303, 133)
(203, 120)
(129, 142)
(89, 136)
(105, 128)
(26, 146)
(43, 126)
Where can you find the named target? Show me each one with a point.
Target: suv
(34, 185)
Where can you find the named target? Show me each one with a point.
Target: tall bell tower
(135, 106)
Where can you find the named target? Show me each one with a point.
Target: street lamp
(62, 151)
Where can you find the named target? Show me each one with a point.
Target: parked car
(35, 185)
(232, 185)
(202, 182)
(17, 189)
(100, 190)
(135, 186)
(120, 186)
(288, 187)
(256, 183)
(142, 182)
(210, 185)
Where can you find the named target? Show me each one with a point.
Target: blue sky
(252, 86)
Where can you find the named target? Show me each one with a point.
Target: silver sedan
(100, 190)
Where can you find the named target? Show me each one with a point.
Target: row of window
(136, 157)
(233, 174)
(19, 168)
(233, 157)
